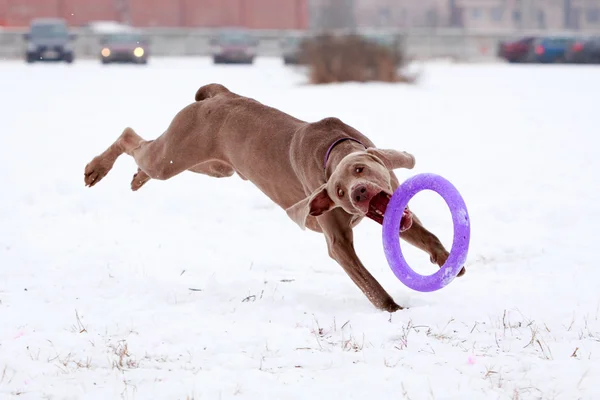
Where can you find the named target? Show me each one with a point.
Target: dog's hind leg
(182, 146)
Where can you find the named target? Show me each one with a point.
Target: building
(402, 13)
(255, 14)
(509, 15)
(582, 14)
(530, 14)
(351, 14)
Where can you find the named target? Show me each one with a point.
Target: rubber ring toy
(391, 229)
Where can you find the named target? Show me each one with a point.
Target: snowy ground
(95, 284)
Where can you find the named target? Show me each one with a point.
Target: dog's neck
(338, 152)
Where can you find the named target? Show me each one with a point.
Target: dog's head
(360, 184)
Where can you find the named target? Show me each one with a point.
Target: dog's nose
(360, 193)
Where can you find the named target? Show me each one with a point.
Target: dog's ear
(393, 159)
(316, 204)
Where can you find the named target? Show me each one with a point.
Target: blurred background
(467, 30)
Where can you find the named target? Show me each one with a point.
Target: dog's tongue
(377, 209)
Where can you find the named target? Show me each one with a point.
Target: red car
(233, 45)
(516, 51)
(585, 51)
(127, 47)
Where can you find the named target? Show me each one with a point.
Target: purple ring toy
(391, 229)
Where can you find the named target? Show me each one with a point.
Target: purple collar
(335, 144)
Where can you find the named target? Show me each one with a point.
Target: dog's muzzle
(378, 206)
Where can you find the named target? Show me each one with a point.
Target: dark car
(516, 51)
(550, 49)
(585, 51)
(49, 39)
(233, 46)
(124, 47)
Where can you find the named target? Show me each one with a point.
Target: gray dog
(326, 174)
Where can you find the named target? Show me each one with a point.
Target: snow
(201, 288)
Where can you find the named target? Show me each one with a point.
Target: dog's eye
(340, 193)
(359, 170)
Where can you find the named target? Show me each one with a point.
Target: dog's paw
(139, 179)
(97, 169)
(394, 307)
(440, 260)
(391, 306)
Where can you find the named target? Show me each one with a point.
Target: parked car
(585, 51)
(291, 49)
(49, 39)
(233, 46)
(516, 51)
(550, 49)
(124, 47)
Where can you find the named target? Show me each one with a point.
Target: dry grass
(351, 58)
(494, 377)
(352, 344)
(4, 376)
(78, 327)
(333, 337)
(123, 359)
(238, 390)
(537, 341)
(403, 339)
(68, 364)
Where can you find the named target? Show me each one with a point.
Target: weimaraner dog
(325, 174)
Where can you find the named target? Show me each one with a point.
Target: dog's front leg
(422, 239)
(336, 225)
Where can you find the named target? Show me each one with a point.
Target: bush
(353, 58)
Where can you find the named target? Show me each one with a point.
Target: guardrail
(421, 44)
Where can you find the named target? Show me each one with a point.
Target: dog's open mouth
(378, 206)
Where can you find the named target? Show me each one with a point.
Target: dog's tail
(211, 90)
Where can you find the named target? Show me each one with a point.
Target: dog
(326, 175)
